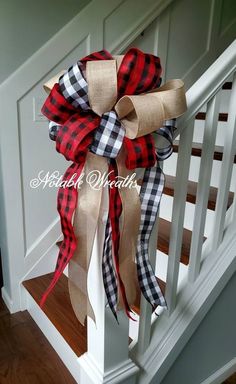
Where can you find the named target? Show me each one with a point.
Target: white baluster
(226, 170)
(203, 186)
(108, 350)
(180, 192)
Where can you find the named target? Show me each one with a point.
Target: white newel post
(107, 360)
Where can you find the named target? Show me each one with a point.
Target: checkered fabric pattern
(115, 210)
(74, 87)
(108, 271)
(140, 152)
(109, 136)
(139, 72)
(56, 107)
(77, 129)
(167, 132)
(66, 202)
(150, 195)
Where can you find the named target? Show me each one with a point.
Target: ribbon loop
(102, 85)
(140, 115)
(108, 137)
(74, 87)
(143, 114)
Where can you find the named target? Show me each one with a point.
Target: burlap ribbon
(139, 115)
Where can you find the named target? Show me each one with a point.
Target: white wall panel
(188, 35)
(147, 40)
(38, 153)
(228, 15)
(118, 22)
(26, 25)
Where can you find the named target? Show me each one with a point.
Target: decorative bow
(102, 119)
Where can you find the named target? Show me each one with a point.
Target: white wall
(211, 346)
(26, 25)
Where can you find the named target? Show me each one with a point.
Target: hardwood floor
(231, 379)
(26, 357)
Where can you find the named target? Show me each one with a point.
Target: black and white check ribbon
(150, 196)
(108, 271)
(107, 142)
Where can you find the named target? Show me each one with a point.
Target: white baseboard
(125, 373)
(7, 300)
(222, 374)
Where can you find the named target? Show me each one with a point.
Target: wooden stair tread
(164, 237)
(59, 310)
(197, 150)
(192, 192)
(136, 306)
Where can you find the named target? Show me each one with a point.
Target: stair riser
(166, 213)
(199, 131)
(224, 101)
(170, 169)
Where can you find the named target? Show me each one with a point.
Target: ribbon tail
(112, 249)
(151, 191)
(108, 271)
(66, 203)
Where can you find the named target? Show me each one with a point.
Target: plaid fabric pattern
(109, 272)
(150, 195)
(75, 136)
(139, 72)
(109, 136)
(115, 210)
(66, 202)
(76, 129)
(140, 152)
(56, 107)
(167, 132)
(100, 55)
(74, 87)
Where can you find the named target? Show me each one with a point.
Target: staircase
(179, 269)
(193, 247)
